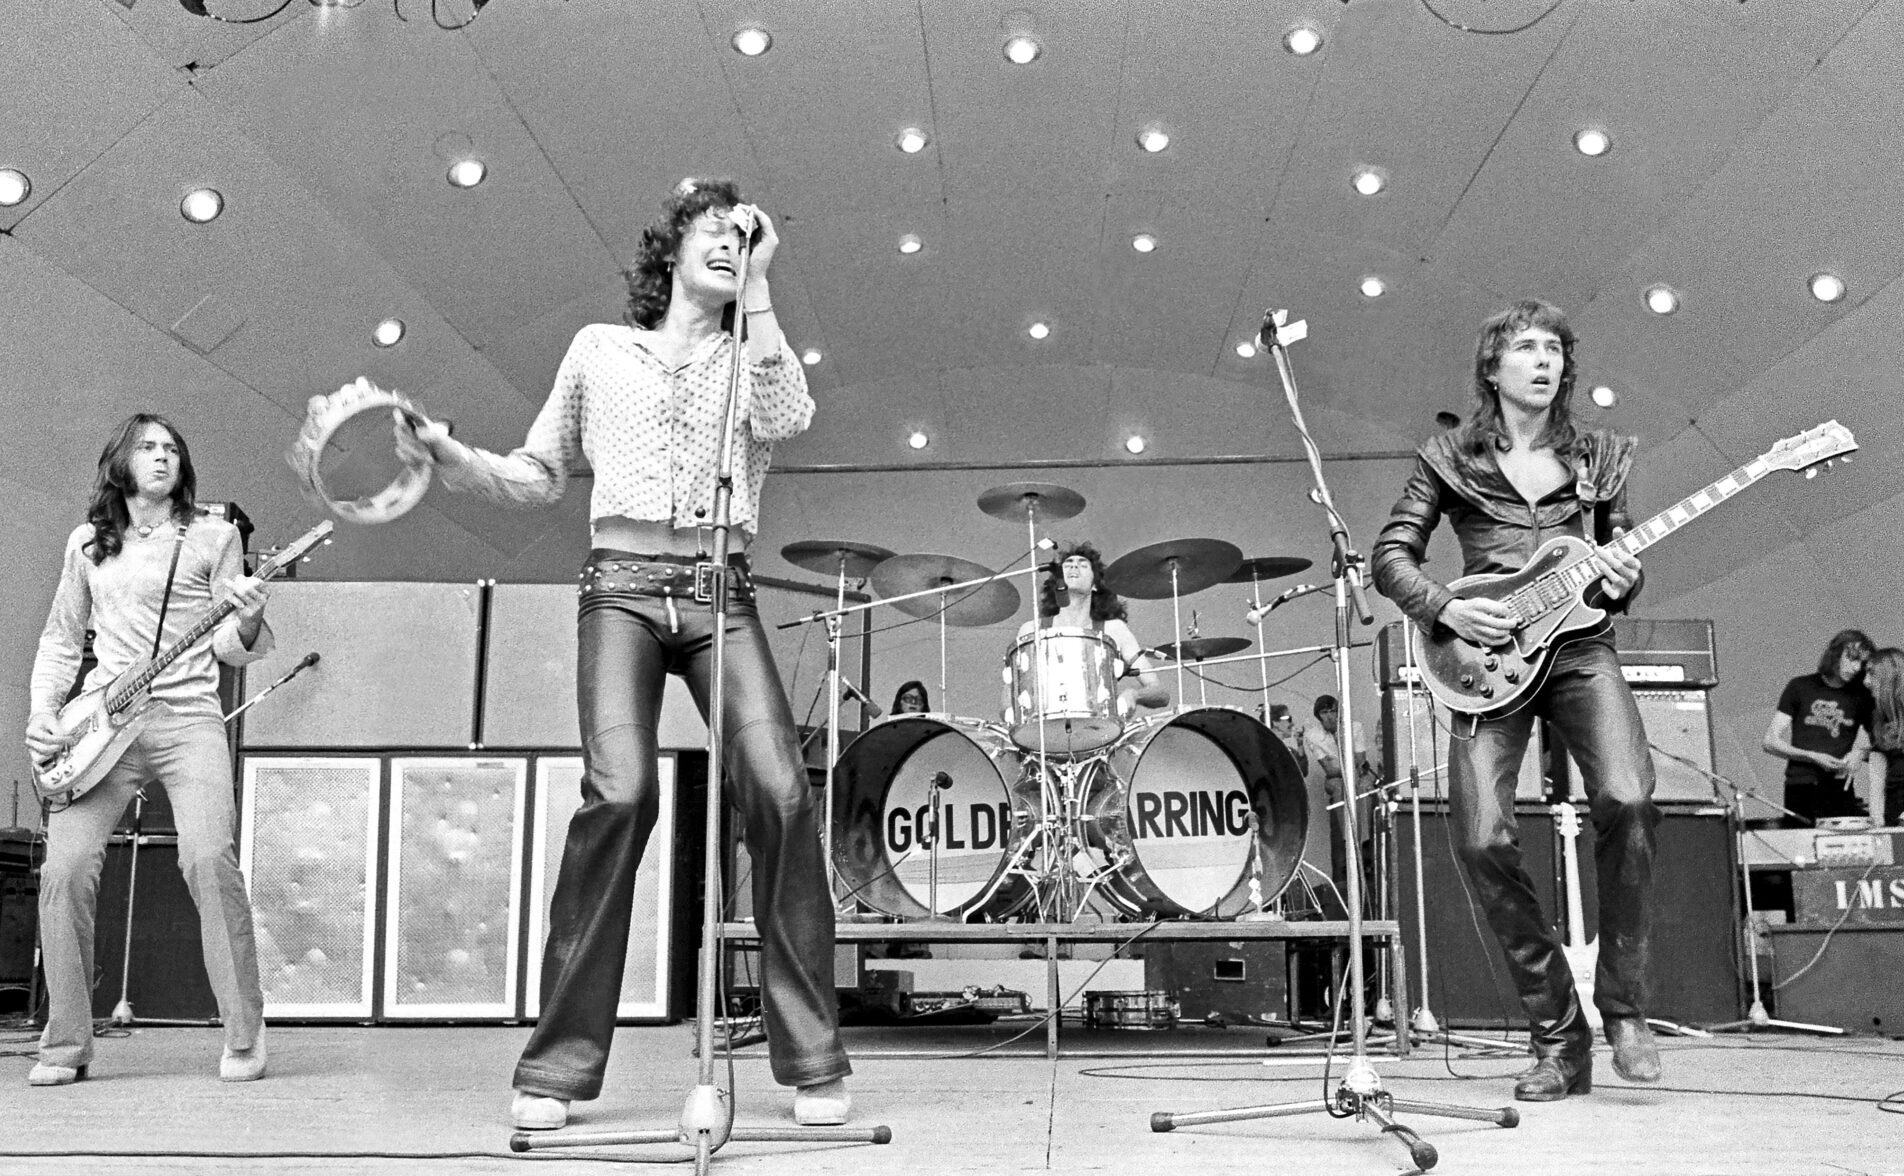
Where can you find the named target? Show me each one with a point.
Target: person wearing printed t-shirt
(1822, 729)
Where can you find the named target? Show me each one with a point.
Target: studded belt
(648, 575)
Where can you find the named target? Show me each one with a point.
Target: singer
(1078, 598)
(1520, 472)
(643, 403)
(140, 571)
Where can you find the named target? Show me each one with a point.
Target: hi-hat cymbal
(824, 555)
(984, 604)
(1015, 501)
(1199, 563)
(1269, 567)
(1198, 648)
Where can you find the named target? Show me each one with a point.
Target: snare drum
(882, 817)
(1130, 1010)
(1061, 691)
(1172, 812)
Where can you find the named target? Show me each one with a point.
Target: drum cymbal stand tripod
(707, 1117)
(1359, 1095)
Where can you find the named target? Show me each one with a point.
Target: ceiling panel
(195, 44)
(78, 79)
(373, 144)
(1679, 87)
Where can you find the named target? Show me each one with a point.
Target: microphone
(1266, 334)
(868, 705)
(310, 659)
(1255, 616)
(941, 780)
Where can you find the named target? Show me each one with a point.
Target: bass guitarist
(140, 572)
(1519, 473)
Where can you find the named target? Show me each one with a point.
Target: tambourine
(328, 416)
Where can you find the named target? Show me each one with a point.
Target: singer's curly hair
(651, 277)
(1106, 605)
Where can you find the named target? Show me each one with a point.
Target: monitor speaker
(1435, 728)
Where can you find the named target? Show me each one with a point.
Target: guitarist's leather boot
(1635, 1054)
(1554, 1077)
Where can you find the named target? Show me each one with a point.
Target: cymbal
(1199, 564)
(823, 556)
(1269, 567)
(1198, 648)
(1014, 501)
(985, 604)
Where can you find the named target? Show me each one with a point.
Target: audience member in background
(1822, 730)
(911, 699)
(1884, 676)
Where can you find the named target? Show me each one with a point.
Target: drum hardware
(843, 558)
(1359, 1094)
(1148, 1009)
(1175, 568)
(1198, 649)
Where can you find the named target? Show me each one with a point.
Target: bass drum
(1171, 812)
(882, 817)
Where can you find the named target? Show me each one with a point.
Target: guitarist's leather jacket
(1498, 530)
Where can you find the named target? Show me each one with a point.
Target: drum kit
(1065, 806)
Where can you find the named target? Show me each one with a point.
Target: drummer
(1078, 598)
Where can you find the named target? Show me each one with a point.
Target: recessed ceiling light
(1368, 181)
(1302, 40)
(910, 243)
(1604, 396)
(202, 204)
(1662, 299)
(1144, 243)
(1153, 139)
(912, 140)
(1022, 49)
(1373, 287)
(1592, 141)
(467, 173)
(1038, 330)
(918, 440)
(14, 187)
(389, 333)
(1824, 287)
(810, 356)
(1134, 443)
(1246, 349)
(752, 41)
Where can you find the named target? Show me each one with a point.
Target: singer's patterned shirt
(651, 433)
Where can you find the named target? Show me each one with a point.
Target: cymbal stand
(1262, 659)
(707, 1116)
(1360, 1094)
(1733, 797)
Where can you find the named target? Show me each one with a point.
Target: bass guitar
(1548, 597)
(101, 723)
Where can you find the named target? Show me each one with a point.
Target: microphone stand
(1733, 797)
(1359, 1095)
(707, 1117)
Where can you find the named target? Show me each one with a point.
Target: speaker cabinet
(308, 848)
(645, 977)
(1239, 980)
(529, 675)
(1679, 724)
(398, 668)
(453, 883)
(167, 980)
(1847, 978)
(1695, 966)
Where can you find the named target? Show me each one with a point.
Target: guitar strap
(165, 602)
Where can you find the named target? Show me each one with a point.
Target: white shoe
(824, 1104)
(243, 1065)
(538, 1112)
(44, 1075)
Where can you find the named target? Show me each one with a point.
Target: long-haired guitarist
(1517, 474)
(643, 404)
(144, 554)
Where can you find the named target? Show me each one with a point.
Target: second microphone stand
(1359, 1095)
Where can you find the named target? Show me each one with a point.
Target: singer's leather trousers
(1589, 703)
(627, 644)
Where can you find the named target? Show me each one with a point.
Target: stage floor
(388, 1100)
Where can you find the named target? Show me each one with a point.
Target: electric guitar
(1548, 596)
(101, 723)
(1583, 954)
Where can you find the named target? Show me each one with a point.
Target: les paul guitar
(1548, 597)
(101, 723)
